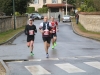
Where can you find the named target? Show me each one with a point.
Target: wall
(90, 22)
(7, 23)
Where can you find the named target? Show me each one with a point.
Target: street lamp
(14, 14)
(66, 7)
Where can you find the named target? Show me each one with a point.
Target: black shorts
(48, 39)
(30, 38)
(53, 35)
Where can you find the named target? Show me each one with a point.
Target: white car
(66, 18)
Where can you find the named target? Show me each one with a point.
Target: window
(54, 1)
(36, 1)
(44, 1)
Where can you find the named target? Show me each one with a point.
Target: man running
(54, 34)
(46, 30)
(30, 31)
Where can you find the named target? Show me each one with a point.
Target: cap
(30, 19)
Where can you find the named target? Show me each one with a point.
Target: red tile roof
(59, 5)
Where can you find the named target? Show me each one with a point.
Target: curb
(9, 41)
(5, 67)
(81, 34)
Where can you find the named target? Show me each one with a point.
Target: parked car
(37, 16)
(66, 18)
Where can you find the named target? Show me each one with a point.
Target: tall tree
(6, 6)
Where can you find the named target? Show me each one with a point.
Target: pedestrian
(77, 18)
(59, 17)
(30, 31)
(54, 33)
(46, 30)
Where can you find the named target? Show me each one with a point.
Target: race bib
(46, 32)
(31, 32)
(54, 31)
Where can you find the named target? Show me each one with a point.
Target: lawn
(4, 36)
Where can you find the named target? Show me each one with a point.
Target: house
(53, 5)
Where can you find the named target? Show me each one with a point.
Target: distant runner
(30, 31)
(54, 33)
(46, 30)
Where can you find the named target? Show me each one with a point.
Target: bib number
(31, 32)
(46, 32)
(54, 31)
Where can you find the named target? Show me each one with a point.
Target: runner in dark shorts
(54, 32)
(30, 31)
(46, 30)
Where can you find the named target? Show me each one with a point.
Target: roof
(59, 5)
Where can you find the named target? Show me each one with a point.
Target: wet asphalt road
(73, 55)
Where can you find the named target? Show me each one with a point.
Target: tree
(6, 6)
(97, 4)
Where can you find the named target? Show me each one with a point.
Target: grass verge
(4, 36)
(83, 29)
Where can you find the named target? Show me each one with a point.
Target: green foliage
(97, 4)
(87, 6)
(6, 6)
(43, 10)
(17, 14)
(91, 9)
(30, 9)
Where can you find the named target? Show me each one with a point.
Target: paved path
(73, 55)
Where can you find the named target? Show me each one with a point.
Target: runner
(46, 30)
(54, 29)
(30, 31)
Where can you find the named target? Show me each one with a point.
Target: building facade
(53, 5)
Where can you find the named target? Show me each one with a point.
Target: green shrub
(17, 14)
(30, 9)
(43, 10)
(91, 9)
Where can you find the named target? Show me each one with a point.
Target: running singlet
(54, 24)
(46, 28)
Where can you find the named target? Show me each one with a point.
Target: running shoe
(53, 47)
(32, 54)
(47, 55)
(55, 44)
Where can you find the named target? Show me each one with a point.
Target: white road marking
(69, 68)
(35, 60)
(87, 56)
(51, 59)
(95, 64)
(18, 61)
(37, 70)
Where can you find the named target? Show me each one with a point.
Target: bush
(17, 14)
(85, 8)
(43, 10)
(91, 9)
(30, 9)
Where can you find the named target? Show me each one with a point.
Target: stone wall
(7, 23)
(90, 22)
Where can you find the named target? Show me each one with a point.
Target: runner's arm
(50, 27)
(26, 30)
(57, 25)
(35, 29)
(40, 28)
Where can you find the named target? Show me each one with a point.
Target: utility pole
(66, 7)
(14, 14)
